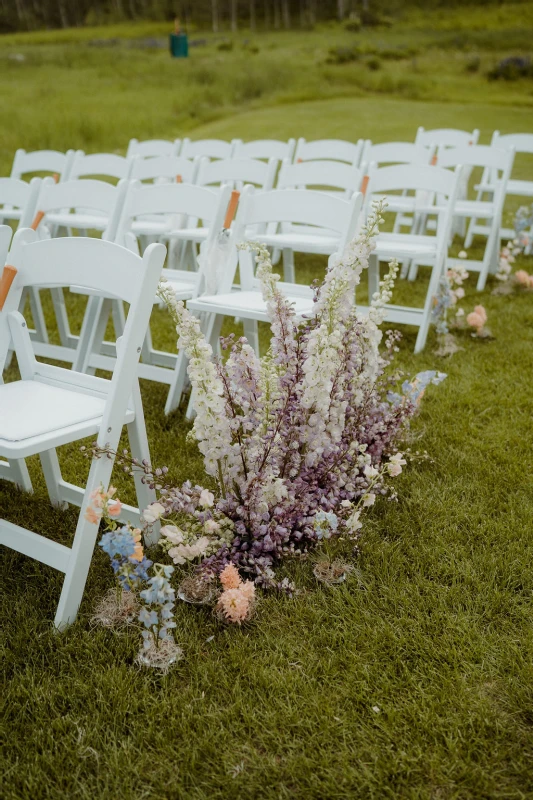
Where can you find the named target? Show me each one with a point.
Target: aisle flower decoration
(446, 313)
(297, 445)
(521, 244)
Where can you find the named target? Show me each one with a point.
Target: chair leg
(288, 265)
(251, 332)
(65, 336)
(490, 258)
(140, 450)
(97, 334)
(41, 332)
(426, 318)
(92, 311)
(373, 276)
(19, 474)
(177, 386)
(82, 548)
(52, 477)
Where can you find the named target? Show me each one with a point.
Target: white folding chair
(164, 169)
(329, 150)
(147, 202)
(446, 137)
(265, 149)
(497, 165)
(102, 165)
(151, 148)
(18, 203)
(75, 205)
(451, 137)
(316, 210)
(237, 172)
(49, 406)
(18, 200)
(211, 148)
(521, 143)
(427, 183)
(334, 177)
(50, 162)
(388, 153)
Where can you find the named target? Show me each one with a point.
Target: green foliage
(226, 46)
(373, 63)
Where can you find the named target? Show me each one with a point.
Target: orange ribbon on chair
(55, 176)
(179, 179)
(434, 160)
(232, 208)
(37, 220)
(8, 276)
(364, 184)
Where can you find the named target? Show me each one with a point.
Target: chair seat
(400, 245)
(473, 208)
(247, 305)
(35, 416)
(520, 187)
(301, 242)
(180, 284)
(10, 213)
(84, 221)
(148, 227)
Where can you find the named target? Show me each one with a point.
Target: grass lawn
(439, 636)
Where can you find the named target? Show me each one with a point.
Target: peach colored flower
(114, 508)
(92, 516)
(229, 577)
(248, 590)
(475, 320)
(138, 553)
(482, 313)
(234, 605)
(98, 498)
(522, 278)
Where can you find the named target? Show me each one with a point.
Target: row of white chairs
(292, 220)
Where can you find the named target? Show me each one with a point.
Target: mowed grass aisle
(415, 682)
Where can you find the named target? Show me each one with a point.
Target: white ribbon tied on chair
(213, 261)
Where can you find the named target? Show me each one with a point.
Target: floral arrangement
(477, 319)
(520, 244)
(122, 544)
(236, 602)
(450, 291)
(297, 445)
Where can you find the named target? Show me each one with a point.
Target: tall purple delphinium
(307, 428)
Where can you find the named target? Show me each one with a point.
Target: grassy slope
(440, 639)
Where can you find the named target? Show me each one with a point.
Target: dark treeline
(17, 15)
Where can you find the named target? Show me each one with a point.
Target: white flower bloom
(152, 513)
(172, 533)
(371, 472)
(206, 498)
(369, 499)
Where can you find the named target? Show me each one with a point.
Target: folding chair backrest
(89, 194)
(237, 172)
(266, 149)
(320, 174)
(211, 148)
(479, 155)
(426, 182)
(151, 148)
(521, 142)
(397, 153)
(446, 137)
(97, 266)
(198, 202)
(106, 165)
(49, 161)
(329, 150)
(172, 168)
(17, 194)
(300, 207)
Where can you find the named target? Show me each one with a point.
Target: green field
(439, 637)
